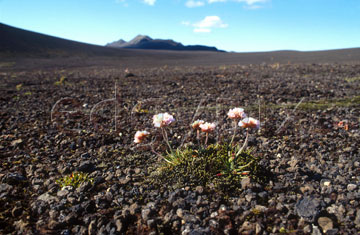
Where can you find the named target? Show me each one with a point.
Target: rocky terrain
(61, 121)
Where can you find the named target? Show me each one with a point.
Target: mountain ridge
(146, 42)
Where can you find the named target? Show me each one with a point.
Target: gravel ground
(57, 122)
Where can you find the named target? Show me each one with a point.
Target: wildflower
(197, 123)
(236, 113)
(207, 127)
(249, 123)
(163, 119)
(140, 136)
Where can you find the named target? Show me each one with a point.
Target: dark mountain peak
(118, 43)
(140, 39)
(146, 42)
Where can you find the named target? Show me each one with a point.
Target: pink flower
(207, 127)
(163, 119)
(197, 123)
(236, 113)
(140, 136)
(249, 123)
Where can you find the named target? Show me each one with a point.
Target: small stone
(46, 197)
(307, 229)
(308, 207)
(87, 167)
(357, 218)
(199, 189)
(145, 213)
(351, 187)
(179, 212)
(333, 231)
(14, 179)
(258, 228)
(16, 142)
(246, 226)
(248, 197)
(134, 208)
(63, 193)
(245, 183)
(325, 223)
(119, 225)
(214, 214)
(315, 230)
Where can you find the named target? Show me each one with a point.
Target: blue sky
(232, 25)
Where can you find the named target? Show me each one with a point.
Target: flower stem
(159, 155)
(206, 139)
(245, 143)
(232, 139)
(166, 139)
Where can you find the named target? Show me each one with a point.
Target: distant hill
(32, 50)
(146, 42)
(15, 41)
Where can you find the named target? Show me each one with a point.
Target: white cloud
(212, 1)
(248, 2)
(186, 23)
(123, 2)
(251, 2)
(208, 23)
(192, 3)
(149, 2)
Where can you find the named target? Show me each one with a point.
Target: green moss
(352, 79)
(215, 165)
(74, 180)
(19, 86)
(62, 81)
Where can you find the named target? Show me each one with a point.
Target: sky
(231, 25)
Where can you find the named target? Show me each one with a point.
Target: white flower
(249, 123)
(163, 119)
(140, 136)
(236, 113)
(207, 127)
(197, 123)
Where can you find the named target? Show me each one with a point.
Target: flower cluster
(140, 136)
(206, 127)
(162, 119)
(236, 113)
(229, 158)
(249, 123)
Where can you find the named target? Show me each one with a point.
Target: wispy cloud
(122, 2)
(208, 23)
(192, 3)
(212, 1)
(250, 3)
(186, 23)
(149, 2)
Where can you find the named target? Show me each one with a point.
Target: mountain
(145, 42)
(15, 41)
(26, 50)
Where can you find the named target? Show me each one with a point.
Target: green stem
(159, 155)
(242, 167)
(165, 136)
(198, 136)
(245, 143)
(232, 139)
